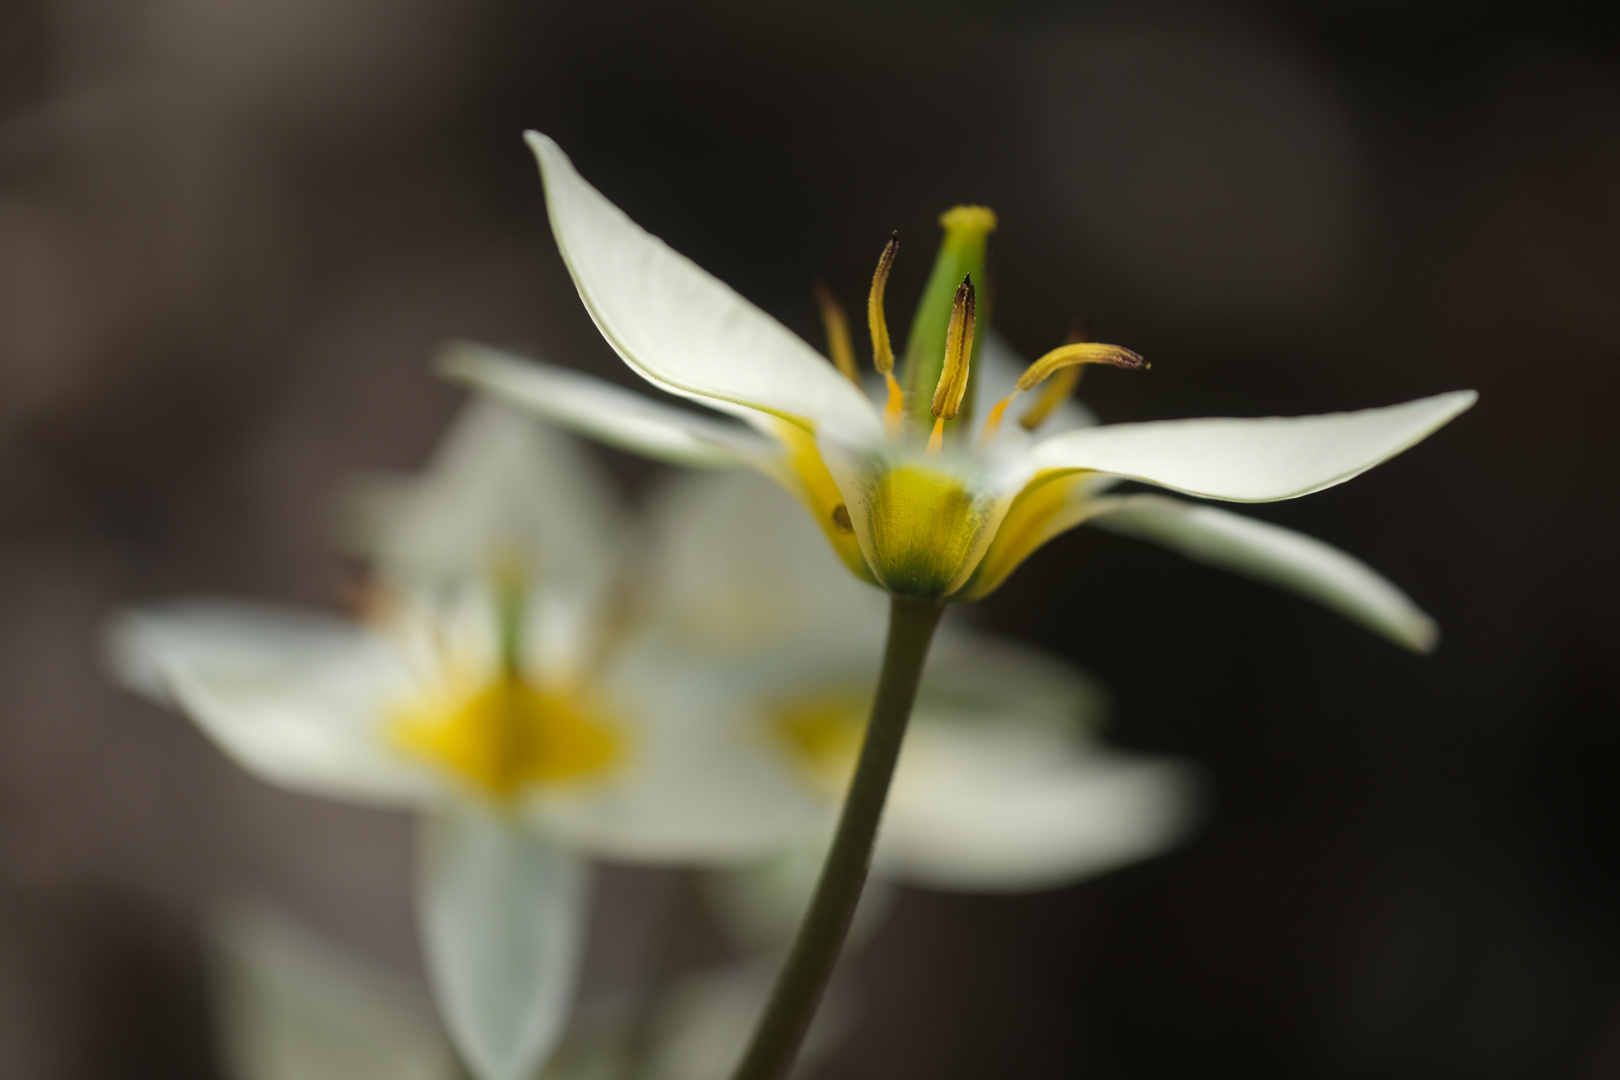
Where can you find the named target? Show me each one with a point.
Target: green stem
(814, 953)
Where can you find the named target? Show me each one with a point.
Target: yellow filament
(895, 410)
(839, 346)
(882, 351)
(953, 377)
(936, 438)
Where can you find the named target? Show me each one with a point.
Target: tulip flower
(914, 492)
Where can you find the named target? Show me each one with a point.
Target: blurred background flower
(232, 236)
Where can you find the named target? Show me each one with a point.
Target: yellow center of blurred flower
(508, 735)
(823, 735)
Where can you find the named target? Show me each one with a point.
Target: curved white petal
(499, 484)
(734, 565)
(291, 1006)
(987, 808)
(602, 410)
(679, 326)
(1273, 554)
(296, 699)
(503, 921)
(1257, 460)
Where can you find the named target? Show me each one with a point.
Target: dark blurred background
(231, 234)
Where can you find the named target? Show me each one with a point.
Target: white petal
(738, 566)
(499, 483)
(602, 410)
(503, 920)
(679, 326)
(1252, 460)
(991, 808)
(291, 1006)
(1270, 553)
(296, 699)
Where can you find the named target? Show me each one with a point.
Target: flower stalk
(814, 953)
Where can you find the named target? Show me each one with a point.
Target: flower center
(508, 734)
(822, 734)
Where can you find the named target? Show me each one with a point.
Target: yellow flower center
(823, 733)
(507, 735)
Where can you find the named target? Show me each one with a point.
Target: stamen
(839, 346)
(882, 350)
(1062, 359)
(953, 378)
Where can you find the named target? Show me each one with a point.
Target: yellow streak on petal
(506, 735)
(1035, 516)
(815, 488)
(823, 734)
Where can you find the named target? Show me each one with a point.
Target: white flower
(546, 685)
(948, 512)
(503, 687)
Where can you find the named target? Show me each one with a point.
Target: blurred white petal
(499, 485)
(735, 566)
(703, 784)
(603, 411)
(1258, 460)
(704, 1025)
(1010, 808)
(679, 326)
(1273, 554)
(295, 699)
(503, 918)
(293, 1007)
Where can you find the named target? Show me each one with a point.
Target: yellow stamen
(953, 378)
(839, 346)
(1083, 352)
(1062, 358)
(882, 351)
(1054, 393)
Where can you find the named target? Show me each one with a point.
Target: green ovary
(926, 531)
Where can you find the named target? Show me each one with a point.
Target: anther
(882, 350)
(839, 346)
(1060, 359)
(953, 376)
(1059, 387)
